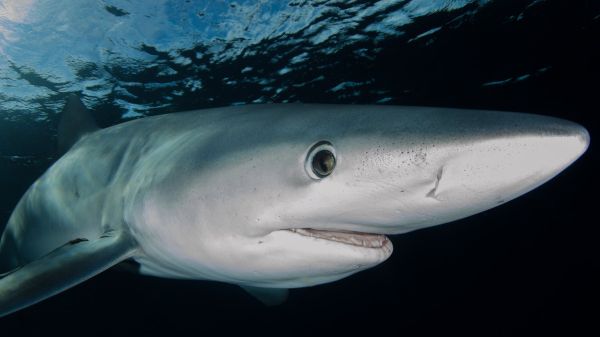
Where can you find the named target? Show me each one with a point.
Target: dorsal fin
(75, 121)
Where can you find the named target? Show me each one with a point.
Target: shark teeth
(348, 237)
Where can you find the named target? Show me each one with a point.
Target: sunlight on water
(115, 52)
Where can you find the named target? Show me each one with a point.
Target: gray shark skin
(268, 197)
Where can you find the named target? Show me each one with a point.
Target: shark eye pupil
(323, 163)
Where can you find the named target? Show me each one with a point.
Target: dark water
(523, 268)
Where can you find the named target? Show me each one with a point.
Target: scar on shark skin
(432, 193)
(76, 241)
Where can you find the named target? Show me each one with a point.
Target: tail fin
(76, 121)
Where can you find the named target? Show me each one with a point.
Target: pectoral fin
(268, 296)
(61, 269)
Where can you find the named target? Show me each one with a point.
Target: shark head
(298, 195)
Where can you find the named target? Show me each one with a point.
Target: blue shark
(268, 197)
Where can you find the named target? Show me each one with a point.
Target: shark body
(268, 197)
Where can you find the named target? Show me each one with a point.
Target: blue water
(523, 268)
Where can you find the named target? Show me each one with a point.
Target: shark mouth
(359, 239)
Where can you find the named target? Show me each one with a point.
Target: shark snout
(583, 136)
(490, 171)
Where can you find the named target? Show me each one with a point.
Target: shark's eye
(320, 161)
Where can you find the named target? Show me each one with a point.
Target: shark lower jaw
(358, 239)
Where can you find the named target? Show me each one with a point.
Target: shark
(267, 197)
